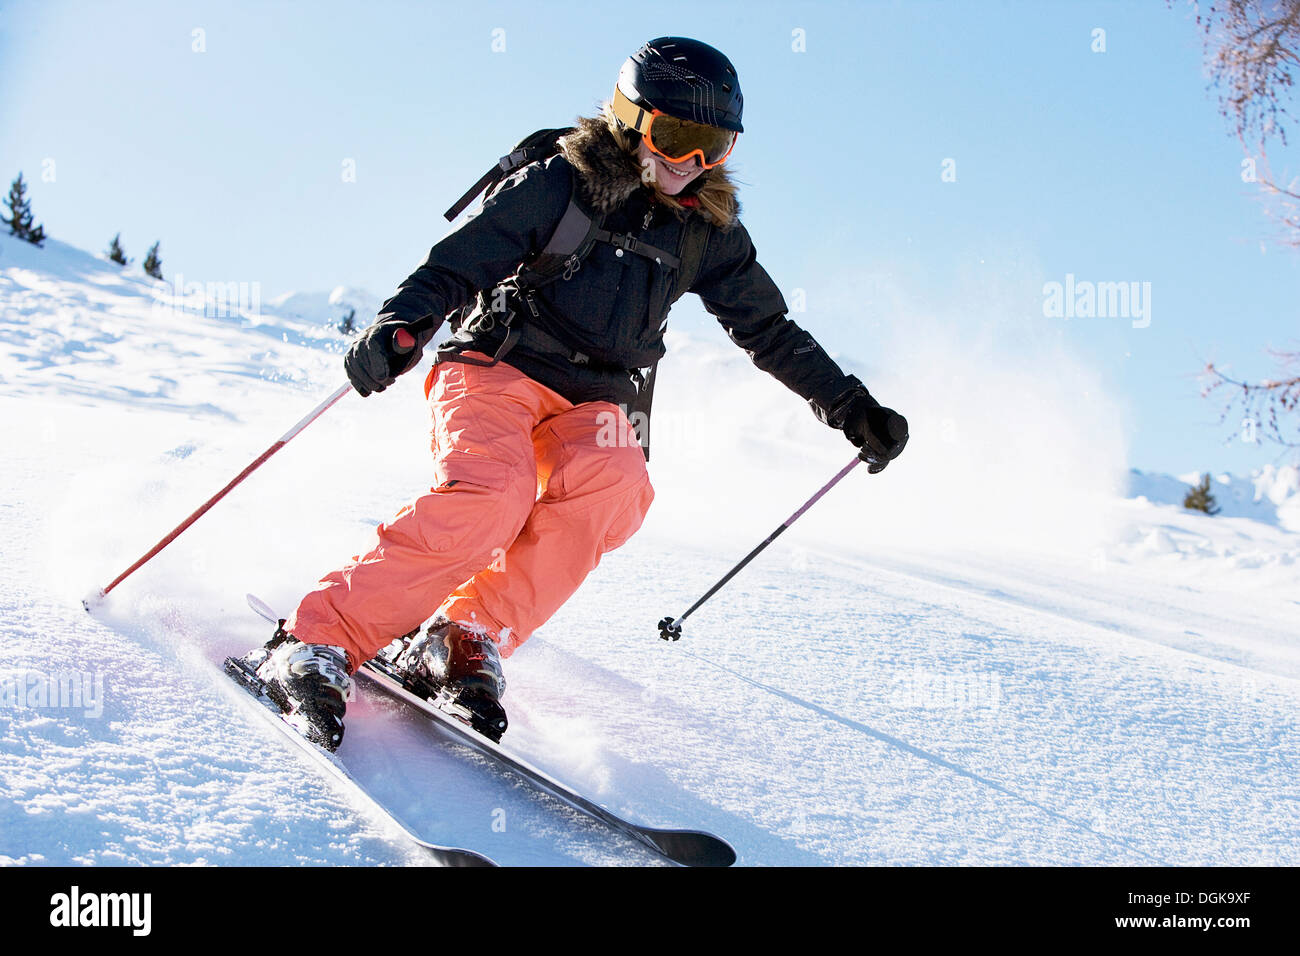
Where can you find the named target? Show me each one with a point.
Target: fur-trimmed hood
(609, 173)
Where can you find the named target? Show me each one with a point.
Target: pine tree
(1199, 498)
(152, 264)
(116, 253)
(20, 214)
(20, 209)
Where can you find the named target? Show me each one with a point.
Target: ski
(683, 847)
(244, 674)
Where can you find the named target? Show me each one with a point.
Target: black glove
(380, 354)
(880, 432)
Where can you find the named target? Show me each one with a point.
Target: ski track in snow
(165, 774)
(1083, 751)
(878, 704)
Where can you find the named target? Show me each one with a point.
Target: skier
(537, 468)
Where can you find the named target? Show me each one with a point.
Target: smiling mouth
(685, 174)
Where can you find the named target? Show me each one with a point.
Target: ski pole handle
(897, 431)
(404, 339)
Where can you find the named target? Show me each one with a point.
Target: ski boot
(310, 683)
(459, 669)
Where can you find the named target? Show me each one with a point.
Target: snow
(995, 652)
(1271, 495)
(328, 308)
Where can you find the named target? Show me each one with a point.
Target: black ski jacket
(603, 309)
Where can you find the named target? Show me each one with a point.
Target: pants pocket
(479, 434)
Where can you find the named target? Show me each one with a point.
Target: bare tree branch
(1253, 49)
(1253, 53)
(1271, 405)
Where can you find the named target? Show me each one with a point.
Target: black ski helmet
(686, 79)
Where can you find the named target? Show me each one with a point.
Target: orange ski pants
(529, 491)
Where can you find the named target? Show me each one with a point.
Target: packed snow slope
(987, 654)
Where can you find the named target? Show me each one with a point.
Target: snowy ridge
(986, 654)
(327, 308)
(1271, 494)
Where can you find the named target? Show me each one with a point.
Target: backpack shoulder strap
(695, 238)
(539, 145)
(690, 256)
(574, 235)
(687, 263)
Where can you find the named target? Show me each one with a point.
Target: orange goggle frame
(676, 140)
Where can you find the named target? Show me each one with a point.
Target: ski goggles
(676, 140)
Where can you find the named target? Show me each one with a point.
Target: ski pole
(287, 437)
(671, 630)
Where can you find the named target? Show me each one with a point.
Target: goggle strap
(624, 109)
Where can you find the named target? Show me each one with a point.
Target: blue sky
(1109, 166)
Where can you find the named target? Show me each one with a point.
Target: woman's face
(671, 177)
